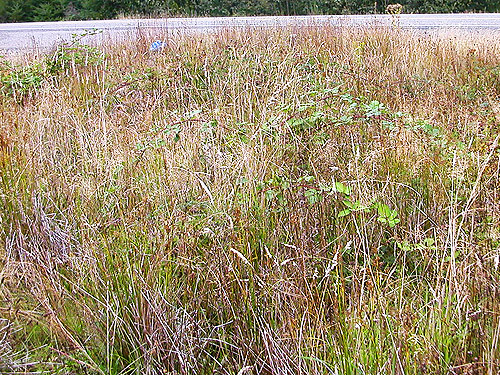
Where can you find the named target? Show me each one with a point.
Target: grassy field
(294, 201)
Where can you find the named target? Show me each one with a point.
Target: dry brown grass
(181, 212)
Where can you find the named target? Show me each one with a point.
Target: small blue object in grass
(157, 46)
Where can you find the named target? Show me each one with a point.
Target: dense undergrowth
(306, 201)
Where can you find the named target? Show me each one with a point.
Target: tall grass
(292, 201)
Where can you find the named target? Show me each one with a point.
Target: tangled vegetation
(292, 201)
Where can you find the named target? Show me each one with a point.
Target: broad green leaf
(313, 196)
(341, 188)
(344, 213)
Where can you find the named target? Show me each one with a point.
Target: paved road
(45, 35)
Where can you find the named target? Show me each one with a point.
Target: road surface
(45, 35)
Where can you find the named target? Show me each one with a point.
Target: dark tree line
(48, 10)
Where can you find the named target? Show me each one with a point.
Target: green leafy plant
(20, 82)
(74, 54)
(374, 109)
(386, 215)
(274, 189)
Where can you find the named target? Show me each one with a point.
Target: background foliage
(48, 10)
